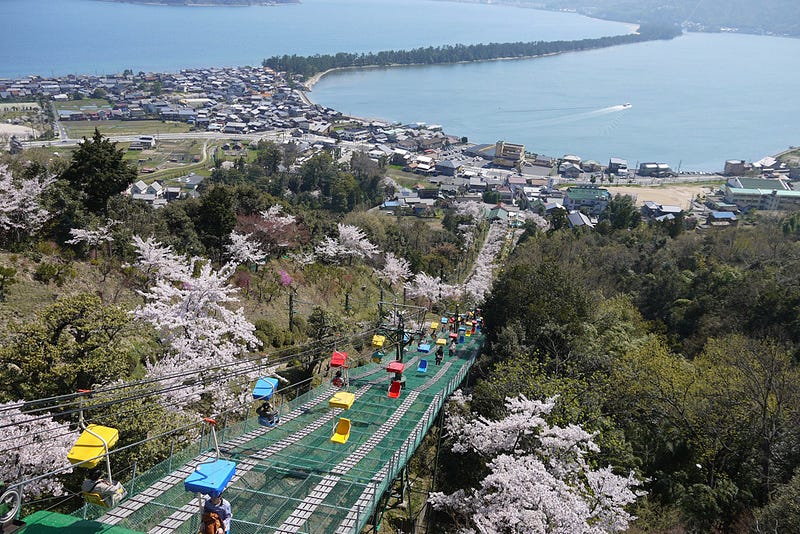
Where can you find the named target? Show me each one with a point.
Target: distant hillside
(766, 16)
(209, 2)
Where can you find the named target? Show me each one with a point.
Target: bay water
(694, 101)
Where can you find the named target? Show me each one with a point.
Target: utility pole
(291, 311)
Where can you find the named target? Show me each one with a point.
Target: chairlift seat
(342, 432)
(378, 341)
(445, 320)
(462, 328)
(425, 347)
(269, 422)
(94, 498)
(342, 399)
(89, 450)
(423, 366)
(338, 359)
(395, 367)
(377, 356)
(434, 325)
(210, 478)
(394, 389)
(453, 335)
(265, 388)
(441, 341)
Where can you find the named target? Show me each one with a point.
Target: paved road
(273, 136)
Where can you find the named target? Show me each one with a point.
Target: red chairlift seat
(395, 367)
(339, 359)
(394, 389)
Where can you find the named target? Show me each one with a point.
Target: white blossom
(395, 270)
(355, 242)
(158, 261)
(430, 287)
(539, 480)
(329, 249)
(193, 321)
(34, 445)
(93, 238)
(471, 208)
(20, 208)
(242, 250)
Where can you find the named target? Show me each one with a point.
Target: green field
(78, 129)
(77, 105)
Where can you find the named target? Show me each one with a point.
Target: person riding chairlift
(338, 381)
(267, 412)
(111, 494)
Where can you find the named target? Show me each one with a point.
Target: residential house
(592, 200)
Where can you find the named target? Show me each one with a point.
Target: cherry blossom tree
(272, 229)
(431, 288)
(159, 261)
(354, 242)
(191, 315)
(34, 445)
(21, 212)
(396, 270)
(242, 249)
(351, 243)
(92, 237)
(539, 479)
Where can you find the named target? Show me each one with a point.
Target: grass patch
(78, 129)
(85, 103)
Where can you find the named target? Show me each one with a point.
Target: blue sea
(694, 101)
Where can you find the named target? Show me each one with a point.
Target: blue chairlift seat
(423, 366)
(265, 388)
(425, 347)
(210, 478)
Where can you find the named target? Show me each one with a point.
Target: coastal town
(238, 106)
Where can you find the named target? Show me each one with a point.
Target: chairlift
(378, 341)
(90, 449)
(378, 356)
(339, 362)
(423, 366)
(397, 383)
(424, 347)
(264, 390)
(210, 478)
(342, 431)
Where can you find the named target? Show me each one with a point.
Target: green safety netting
(292, 478)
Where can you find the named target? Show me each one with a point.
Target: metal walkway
(291, 478)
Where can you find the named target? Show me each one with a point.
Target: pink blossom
(286, 280)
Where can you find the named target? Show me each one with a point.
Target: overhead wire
(291, 354)
(255, 361)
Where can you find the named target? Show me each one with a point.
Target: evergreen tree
(98, 172)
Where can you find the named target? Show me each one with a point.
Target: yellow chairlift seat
(441, 341)
(434, 325)
(92, 445)
(94, 498)
(342, 432)
(378, 341)
(342, 399)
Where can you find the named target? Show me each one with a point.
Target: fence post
(133, 477)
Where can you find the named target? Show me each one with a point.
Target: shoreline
(313, 80)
